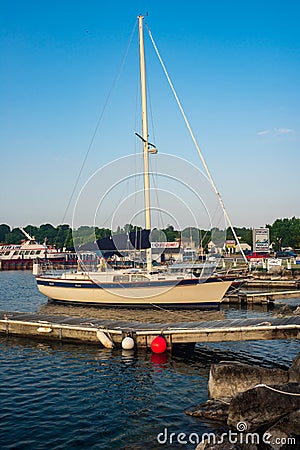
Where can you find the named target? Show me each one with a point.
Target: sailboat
(142, 287)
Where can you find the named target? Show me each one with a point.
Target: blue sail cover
(119, 243)
(140, 239)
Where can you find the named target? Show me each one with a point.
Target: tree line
(283, 233)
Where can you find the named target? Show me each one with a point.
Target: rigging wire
(99, 122)
(196, 143)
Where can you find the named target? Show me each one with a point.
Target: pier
(78, 329)
(269, 283)
(260, 297)
(20, 264)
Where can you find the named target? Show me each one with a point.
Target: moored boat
(22, 256)
(136, 287)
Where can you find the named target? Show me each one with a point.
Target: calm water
(63, 396)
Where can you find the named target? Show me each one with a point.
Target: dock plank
(84, 329)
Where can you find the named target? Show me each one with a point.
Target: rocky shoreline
(260, 407)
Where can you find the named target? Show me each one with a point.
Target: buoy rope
(262, 323)
(159, 307)
(223, 401)
(169, 311)
(165, 310)
(109, 335)
(277, 390)
(176, 314)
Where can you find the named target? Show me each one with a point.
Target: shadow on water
(65, 395)
(151, 314)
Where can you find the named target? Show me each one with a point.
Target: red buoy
(159, 344)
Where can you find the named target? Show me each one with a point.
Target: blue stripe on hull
(94, 285)
(90, 285)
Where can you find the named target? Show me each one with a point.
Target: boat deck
(67, 328)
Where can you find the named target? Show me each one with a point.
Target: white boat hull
(207, 294)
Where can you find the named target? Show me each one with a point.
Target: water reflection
(85, 396)
(159, 361)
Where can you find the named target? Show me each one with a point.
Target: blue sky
(235, 66)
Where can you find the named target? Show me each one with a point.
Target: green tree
(102, 233)
(244, 234)
(15, 236)
(285, 233)
(48, 233)
(84, 235)
(63, 236)
(4, 230)
(33, 231)
(193, 234)
(171, 234)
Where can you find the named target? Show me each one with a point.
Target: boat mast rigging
(198, 148)
(145, 138)
(26, 234)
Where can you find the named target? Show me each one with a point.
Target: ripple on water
(62, 396)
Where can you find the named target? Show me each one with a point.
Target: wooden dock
(260, 297)
(76, 329)
(273, 284)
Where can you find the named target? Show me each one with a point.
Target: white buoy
(128, 343)
(36, 269)
(44, 329)
(104, 339)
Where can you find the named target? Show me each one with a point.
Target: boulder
(276, 270)
(294, 370)
(263, 405)
(296, 311)
(211, 410)
(281, 431)
(227, 379)
(285, 310)
(226, 443)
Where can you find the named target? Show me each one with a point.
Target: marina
(86, 330)
(76, 390)
(145, 285)
(260, 298)
(134, 312)
(22, 256)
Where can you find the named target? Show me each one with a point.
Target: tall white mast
(145, 138)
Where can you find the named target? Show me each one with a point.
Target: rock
(225, 443)
(294, 370)
(276, 270)
(262, 406)
(222, 446)
(211, 410)
(297, 311)
(285, 310)
(287, 427)
(227, 379)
